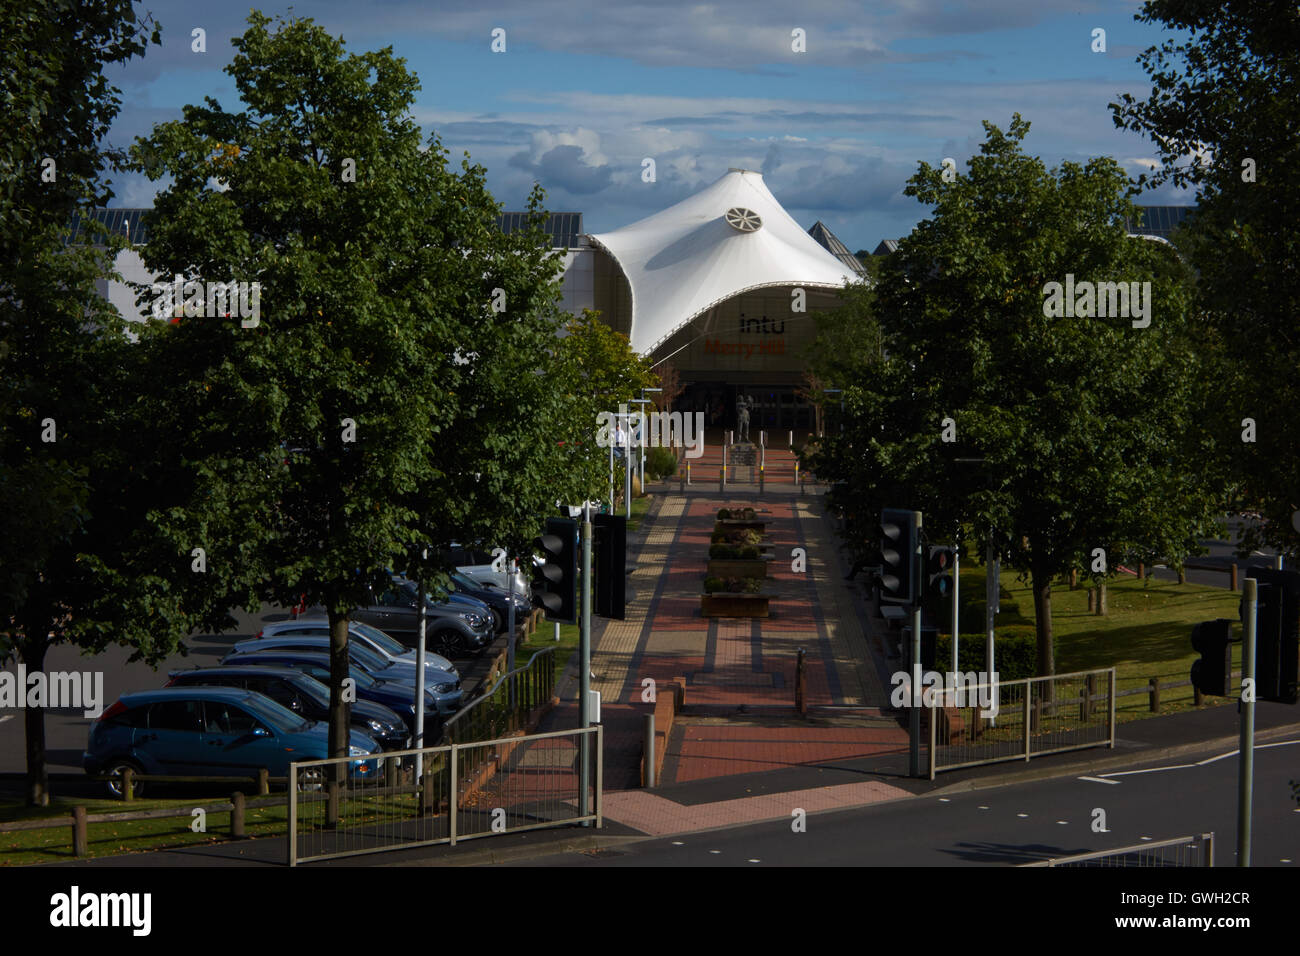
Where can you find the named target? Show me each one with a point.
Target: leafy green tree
(74, 543)
(387, 397)
(1222, 114)
(1078, 433)
(597, 369)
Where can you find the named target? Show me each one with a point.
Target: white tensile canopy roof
(698, 253)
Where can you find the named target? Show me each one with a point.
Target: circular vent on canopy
(743, 220)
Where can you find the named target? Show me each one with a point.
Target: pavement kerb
(489, 855)
(1100, 766)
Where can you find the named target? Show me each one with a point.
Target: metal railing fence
(1180, 852)
(1035, 716)
(467, 790)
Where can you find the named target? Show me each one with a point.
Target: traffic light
(1212, 672)
(938, 572)
(900, 531)
(1277, 634)
(555, 581)
(610, 545)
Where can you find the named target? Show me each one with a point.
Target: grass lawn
(1146, 633)
(54, 845)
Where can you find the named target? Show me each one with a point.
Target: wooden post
(1101, 598)
(79, 839)
(237, 830)
(264, 781)
(128, 784)
(1092, 600)
(1234, 576)
(1074, 579)
(1155, 695)
(1142, 571)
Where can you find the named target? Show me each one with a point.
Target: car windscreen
(279, 718)
(379, 638)
(365, 657)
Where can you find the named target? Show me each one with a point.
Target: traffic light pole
(914, 718)
(956, 592)
(584, 666)
(1246, 766)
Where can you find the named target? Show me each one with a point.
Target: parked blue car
(209, 731)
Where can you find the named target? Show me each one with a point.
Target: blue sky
(585, 91)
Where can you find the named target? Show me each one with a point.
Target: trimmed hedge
(749, 536)
(660, 462)
(1015, 655)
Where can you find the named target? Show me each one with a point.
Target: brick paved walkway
(738, 667)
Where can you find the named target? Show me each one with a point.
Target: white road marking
(944, 800)
(6, 717)
(715, 851)
(1188, 766)
(755, 861)
(1063, 822)
(985, 808)
(678, 843)
(1022, 815)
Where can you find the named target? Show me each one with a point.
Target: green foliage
(389, 396)
(597, 371)
(1221, 117)
(1015, 652)
(732, 585)
(1086, 428)
(660, 462)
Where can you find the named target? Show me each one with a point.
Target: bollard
(800, 684)
(263, 781)
(1234, 576)
(649, 757)
(1155, 695)
(128, 784)
(237, 816)
(79, 840)
(390, 774)
(688, 472)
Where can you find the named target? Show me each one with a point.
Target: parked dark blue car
(208, 731)
(396, 695)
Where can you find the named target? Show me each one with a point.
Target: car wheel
(311, 779)
(114, 771)
(498, 621)
(446, 641)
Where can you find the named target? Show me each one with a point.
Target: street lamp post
(642, 402)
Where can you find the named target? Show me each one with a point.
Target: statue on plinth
(742, 418)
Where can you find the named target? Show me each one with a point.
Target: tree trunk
(32, 654)
(1042, 584)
